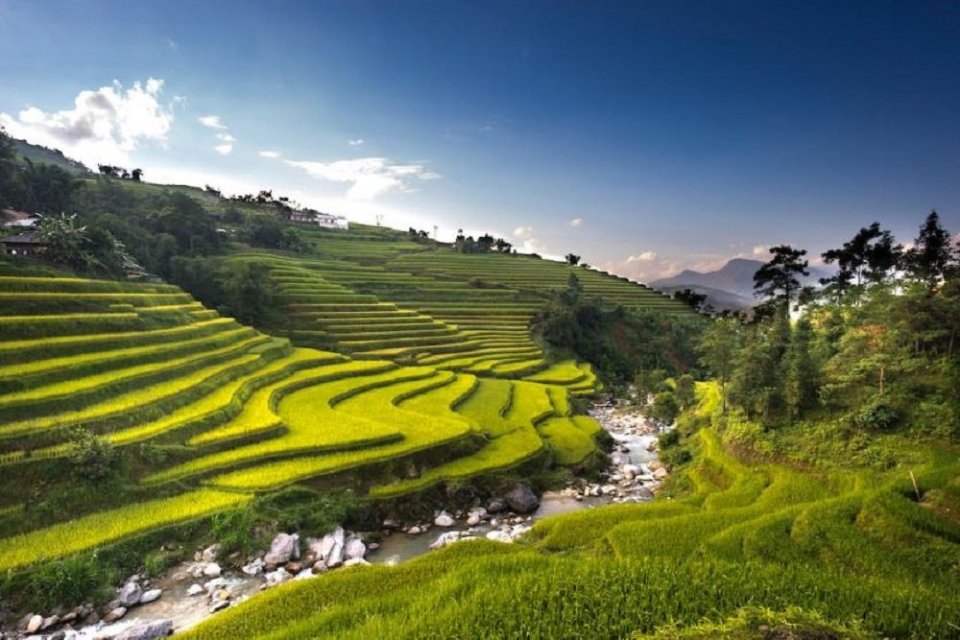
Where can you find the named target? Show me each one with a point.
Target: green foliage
(665, 407)
(617, 342)
(302, 510)
(685, 391)
(91, 457)
(71, 581)
(876, 416)
(233, 528)
(777, 280)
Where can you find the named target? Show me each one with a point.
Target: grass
(16, 351)
(46, 371)
(312, 422)
(99, 529)
(809, 553)
(392, 406)
(142, 401)
(570, 445)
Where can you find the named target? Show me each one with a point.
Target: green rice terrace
(829, 554)
(390, 377)
(239, 413)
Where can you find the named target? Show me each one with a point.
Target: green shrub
(675, 457)
(297, 509)
(877, 416)
(233, 529)
(91, 457)
(669, 439)
(70, 581)
(665, 407)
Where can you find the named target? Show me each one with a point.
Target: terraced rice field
(522, 273)
(371, 293)
(142, 364)
(344, 306)
(855, 549)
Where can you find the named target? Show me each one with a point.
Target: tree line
(876, 346)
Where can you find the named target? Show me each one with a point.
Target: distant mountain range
(730, 287)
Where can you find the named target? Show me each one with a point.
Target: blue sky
(645, 136)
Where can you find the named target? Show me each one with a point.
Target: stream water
(629, 479)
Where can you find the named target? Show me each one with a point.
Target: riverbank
(194, 590)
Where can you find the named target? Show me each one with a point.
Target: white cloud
(528, 242)
(576, 222)
(368, 177)
(355, 143)
(533, 245)
(269, 154)
(211, 121)
(226, 139)
(646, 256)
(104, 126)
(761, 250)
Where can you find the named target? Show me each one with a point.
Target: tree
(649, 382)
(931, 259)
(718, 350)
(91, 457)
(572, 259)
(690, 297)
(686, 391)
(11, 191)
(869, 257)
(778, 279)
(485, 243)
(802, 372)
(49, 188)
(247, 292)
(136, 175)
(67, 243)
(665, 408)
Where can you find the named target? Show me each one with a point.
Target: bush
(669, 439)
(91, 458)
(665, 407)
(675, 457)
(877, 416)
(233, 529)
(71, 581)
(298, 509)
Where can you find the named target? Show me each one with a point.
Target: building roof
(23, 238)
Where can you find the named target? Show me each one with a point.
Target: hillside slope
(206, 413)
(762, 550)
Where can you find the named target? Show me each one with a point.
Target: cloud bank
(103, 126)
(368, 177)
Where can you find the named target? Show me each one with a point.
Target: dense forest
(871, 351)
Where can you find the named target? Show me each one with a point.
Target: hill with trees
(178, 368)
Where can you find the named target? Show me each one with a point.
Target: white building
(326, 220)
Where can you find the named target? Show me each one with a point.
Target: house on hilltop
(23, 244)
(325, 220)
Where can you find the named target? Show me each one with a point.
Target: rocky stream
(144, 609)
